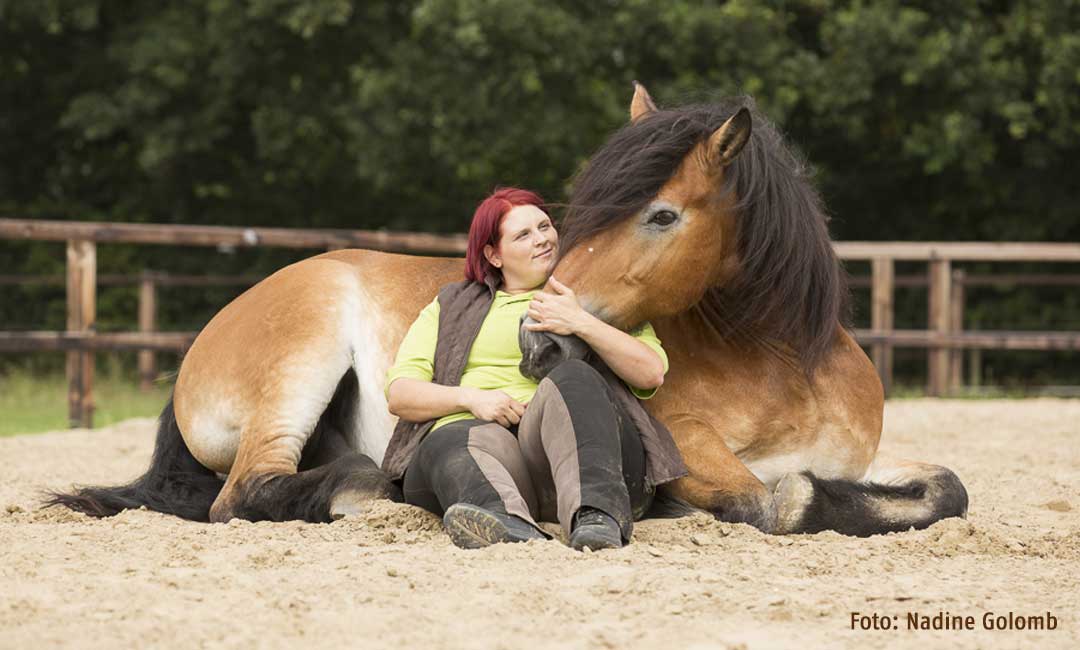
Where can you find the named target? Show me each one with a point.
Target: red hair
(484, 229)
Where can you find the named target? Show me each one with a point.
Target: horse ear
(642, 104)
(726, 142)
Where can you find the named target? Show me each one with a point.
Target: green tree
(925, 120)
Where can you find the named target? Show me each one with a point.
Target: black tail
(175, 484)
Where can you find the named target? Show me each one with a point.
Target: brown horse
(699, 219)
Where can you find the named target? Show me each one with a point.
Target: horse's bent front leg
(719, 482)
(894, 495)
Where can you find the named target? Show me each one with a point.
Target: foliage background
(942, 120)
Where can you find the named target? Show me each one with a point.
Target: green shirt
(494, 358)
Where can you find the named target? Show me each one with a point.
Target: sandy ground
(392, 579)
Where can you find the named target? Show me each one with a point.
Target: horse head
(649, 227)
(701, 207)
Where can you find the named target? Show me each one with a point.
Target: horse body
(775, 408)
(262, 373)
(744, 417)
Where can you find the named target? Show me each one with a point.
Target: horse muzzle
(541, 352)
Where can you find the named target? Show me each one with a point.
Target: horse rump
(175, 483)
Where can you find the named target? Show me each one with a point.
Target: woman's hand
(557, 311)
(494, 406)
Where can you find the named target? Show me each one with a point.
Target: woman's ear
(493, 256)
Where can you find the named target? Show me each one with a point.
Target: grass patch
(32, 404)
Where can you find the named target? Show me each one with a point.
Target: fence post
(975, 362)
(147, 323)
(939, 316)
(881, 316)
(956, 324)
(81, 317)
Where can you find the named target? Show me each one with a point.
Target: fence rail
(74, 341)
(959, 251)
(227, 236)
(944, 338)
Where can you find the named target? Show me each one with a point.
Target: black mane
(790, 287)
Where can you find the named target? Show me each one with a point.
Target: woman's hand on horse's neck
(558, 311)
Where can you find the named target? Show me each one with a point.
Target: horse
(700, 219)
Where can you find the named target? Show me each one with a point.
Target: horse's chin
(541, 352)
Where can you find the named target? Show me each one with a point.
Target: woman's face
(527, 249)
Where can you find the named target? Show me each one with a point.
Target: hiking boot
(471, 526)
(596, 530)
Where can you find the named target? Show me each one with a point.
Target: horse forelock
(789, 286)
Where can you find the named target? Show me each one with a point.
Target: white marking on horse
(824, 458)
(371, 423)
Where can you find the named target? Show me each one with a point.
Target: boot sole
(471, 527)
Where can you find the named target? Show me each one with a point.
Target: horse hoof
(792, 496)
(347, 504)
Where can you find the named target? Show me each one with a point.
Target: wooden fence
(80, 340)
(944, 338)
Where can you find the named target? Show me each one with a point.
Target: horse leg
(265, 483)
(339, 488)
(326, 445)
(719, 482)
(894, 495)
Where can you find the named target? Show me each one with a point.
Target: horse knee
(755, 507)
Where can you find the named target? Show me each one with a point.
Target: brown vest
(463, 306)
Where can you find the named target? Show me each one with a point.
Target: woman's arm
(419, 401)
(414, 397)
(414, 400)
(558, 312)
(633, 361)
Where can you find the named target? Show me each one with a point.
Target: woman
(496, 451)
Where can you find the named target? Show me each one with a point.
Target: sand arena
(392, 579)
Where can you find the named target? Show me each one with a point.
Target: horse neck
(708, 352)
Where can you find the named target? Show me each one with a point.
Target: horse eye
(663, 218)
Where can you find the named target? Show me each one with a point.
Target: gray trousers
(573, 448)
